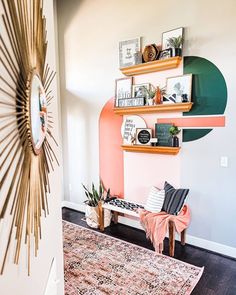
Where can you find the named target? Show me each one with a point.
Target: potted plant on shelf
(94, 197)
(155, 95)
(174, 131)
(176, 44)
(151, 95)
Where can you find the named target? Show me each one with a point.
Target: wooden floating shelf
(175, 107)
(166, 150)
(152, 66)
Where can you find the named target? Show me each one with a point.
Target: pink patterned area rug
(98, 264)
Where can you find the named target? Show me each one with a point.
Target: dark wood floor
(219, 277)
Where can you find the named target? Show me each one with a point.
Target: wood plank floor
(219, 277)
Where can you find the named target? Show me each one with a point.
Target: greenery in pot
(174, 130)
(94, 196)
(176, 42)
(152, 92)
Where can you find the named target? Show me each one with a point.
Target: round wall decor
(150, 52)
(129, 126)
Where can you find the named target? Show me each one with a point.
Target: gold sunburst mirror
(26, 140)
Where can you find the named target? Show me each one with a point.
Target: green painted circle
(209, 92)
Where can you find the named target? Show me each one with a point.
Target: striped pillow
(174, 199)
(155, 200)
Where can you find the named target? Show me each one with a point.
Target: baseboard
(74, 206)
(195, 241)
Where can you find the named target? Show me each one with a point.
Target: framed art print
(180, 88)
(128, 51)
(141, 90)
(170, 34)
(123, 89)
(166, 53)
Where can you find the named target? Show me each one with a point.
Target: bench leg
(171, 238)
(115, 217)
(160, 248)
(101, 216)
(183, 235)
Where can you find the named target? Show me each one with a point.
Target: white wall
(15, 279)
(89, 32)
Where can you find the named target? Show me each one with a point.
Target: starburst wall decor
(26, 139)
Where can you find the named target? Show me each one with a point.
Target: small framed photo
(143, 136)
(179, 88)
(166, 53)
(170, 34)
(123, 88)
(129, 50)
(141, 90)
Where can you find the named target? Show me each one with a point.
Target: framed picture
(143, 136)
(128, 52)
(141, 90)
(123, 88)
(166, 53)
(170, 34)
(179, 88)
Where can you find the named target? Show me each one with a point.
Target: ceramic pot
(175, 141)
(158, 96)
(177, 51)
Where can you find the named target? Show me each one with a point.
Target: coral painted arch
(111, 160)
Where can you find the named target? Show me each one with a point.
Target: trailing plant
(174, 130)
(176, 42)
(94, 196)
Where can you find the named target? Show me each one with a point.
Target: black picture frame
(143, 136)
(165, 54)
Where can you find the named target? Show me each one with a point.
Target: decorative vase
(177, 51)
(158, 96)
(175, 141)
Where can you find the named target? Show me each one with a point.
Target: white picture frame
(123, 89)
(179, 85)
(127, 51)
(170, 34)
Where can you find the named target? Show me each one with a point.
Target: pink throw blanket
(156, 225)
